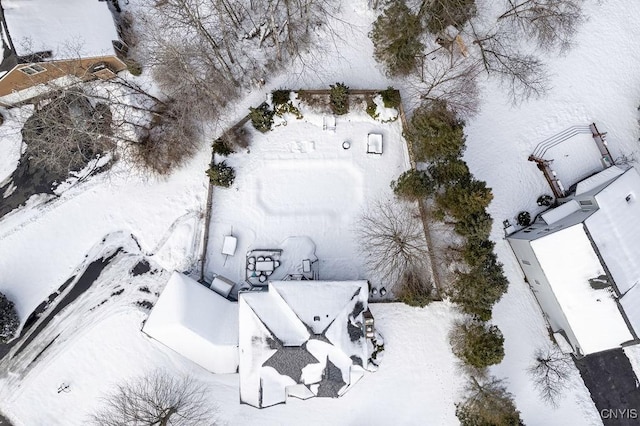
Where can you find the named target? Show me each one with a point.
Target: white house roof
(197, 323)
(301, 338)
(599, 179)
(615, 229)
(68, 28)
(554, 215)
(569, 261)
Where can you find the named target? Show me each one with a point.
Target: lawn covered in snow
(418, 382)
(298, 181)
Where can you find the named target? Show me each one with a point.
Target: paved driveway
(613, 386)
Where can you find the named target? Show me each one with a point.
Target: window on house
(526, 262)
(586, 203)
(33, 69)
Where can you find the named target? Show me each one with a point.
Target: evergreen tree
(442, 13)
(436, 133)
(487, 404)
(479, 289)
(476, 226)
(262, 117)
(477, 344)
(462, 201)
(413, 185)
(221, 175)
(339, 98)
(450, 172)
(9, 321)
(396, 38)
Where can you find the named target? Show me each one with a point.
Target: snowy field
(418, 383)
(298, 183)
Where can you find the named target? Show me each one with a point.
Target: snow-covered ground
(298, 181)
(418, 383)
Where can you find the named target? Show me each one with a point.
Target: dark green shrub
(476, 251)
(261, 117)
(450, 172)
(220, 147)
(415, 290)
(9, 321)
(477, 344)
(391, 97)
(413, 185)
(280, 97)
(476, 226)
(524, 219)
(436, 133)
(339, 98)
(396, 39)
(462, 201)
(372, 109)
(488, 404)
(477, 290)
(221, 175)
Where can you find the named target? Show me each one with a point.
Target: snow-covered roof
(599, 179)
(301, 334)
(615, 228)
(569, 262)
(197, 323)
(67, 28)
(554, 215)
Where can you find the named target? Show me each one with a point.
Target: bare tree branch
(157, 399)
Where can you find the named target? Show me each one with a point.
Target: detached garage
(197, 323)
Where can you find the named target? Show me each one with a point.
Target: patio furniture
(374, 143)
(276, 263)
(329, 122)
(260, 259)
(251, 266)
(252, 260)
(262, 278)
(264, 265)
(229, 245)
(221, 285)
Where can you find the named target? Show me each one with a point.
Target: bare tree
(157, 399)
(392, 240)
(550, 373)
(450, 78)
(552, 23)
(523, 75)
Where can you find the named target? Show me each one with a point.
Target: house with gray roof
(301, 339)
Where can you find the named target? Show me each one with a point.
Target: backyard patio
(299, 190)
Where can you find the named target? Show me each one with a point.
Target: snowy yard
(299, 190)
(298, 181)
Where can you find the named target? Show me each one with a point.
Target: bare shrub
(550, 373)
(392, 240)
(157, 399)
(168, 142)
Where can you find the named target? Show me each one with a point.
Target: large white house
(302, 339)
(292, 338)
(582, 261)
